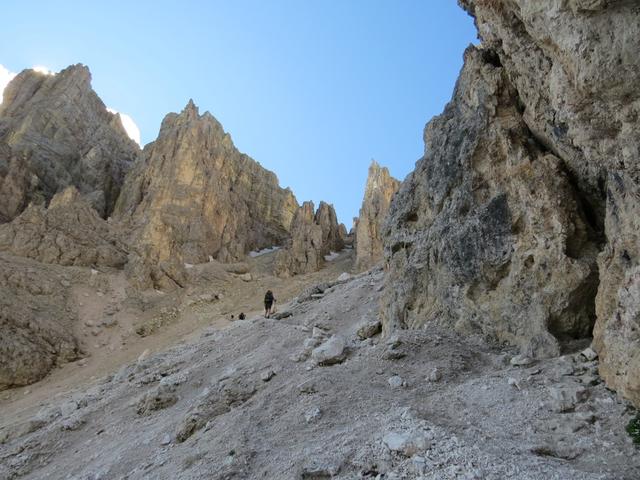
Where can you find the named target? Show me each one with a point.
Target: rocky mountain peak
(195, 196)
(190, 120)
(332, 236)
(54, 132)
(28, 83)
(379, 191)
(77, 74)
(191, 109)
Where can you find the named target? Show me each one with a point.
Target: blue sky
(312, 89)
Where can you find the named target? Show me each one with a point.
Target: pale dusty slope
(482, 419)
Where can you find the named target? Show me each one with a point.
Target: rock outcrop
(616, 336)
(487, 234)
(332, 233)
(379, 191)
(576, 68)
(529, 173)
(313, 235)
(35, 321)
(68, 232)
(56, 132)
(195, 195)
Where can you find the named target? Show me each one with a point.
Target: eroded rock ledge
(68, 232)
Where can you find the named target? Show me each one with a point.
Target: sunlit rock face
(332, 232)
(524, 206)
(313, 236)
(55, 132)
(195, 195)
(379, 191)
(68, 232)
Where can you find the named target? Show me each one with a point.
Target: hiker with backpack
(269, 302)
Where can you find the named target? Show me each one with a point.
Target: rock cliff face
(530, 172)
(380, 188)
(195, 195)
(312, 237)
(35, 321)
(487, 233)
(56, 132)
(616, 336)
(68, 232)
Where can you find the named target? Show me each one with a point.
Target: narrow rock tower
(381, 187)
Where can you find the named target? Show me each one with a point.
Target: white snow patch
(188, 265)
(332, 256)
(5, 77)
(129, 125)
(257, 253)
(43, 69)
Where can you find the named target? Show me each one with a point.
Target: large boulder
(380, 189)
(195, 196)
(68, 232)
(55, 132)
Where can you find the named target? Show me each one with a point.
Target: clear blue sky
(312, 89)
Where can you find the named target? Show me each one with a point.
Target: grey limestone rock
(56, 132)
(194, 196)
(313, 236)
(36, 324)
(330, 352)
(520, 222)
(68, 232)
(379, 191)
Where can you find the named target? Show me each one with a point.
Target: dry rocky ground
(305, 396)
(502, 341)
